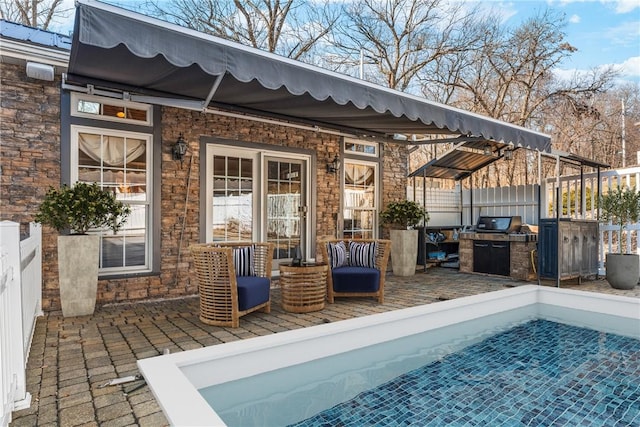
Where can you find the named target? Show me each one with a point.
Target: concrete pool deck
(71, 359)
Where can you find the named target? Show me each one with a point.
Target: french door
(286, 206)
(257, 195)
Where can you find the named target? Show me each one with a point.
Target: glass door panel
(285, 207)
(232, 198)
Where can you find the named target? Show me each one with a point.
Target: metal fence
(20, 304)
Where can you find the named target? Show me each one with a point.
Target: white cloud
(626, 6)
(574, 19)
(625, 34)
(629, 71)
(620, 6)
(630, 67)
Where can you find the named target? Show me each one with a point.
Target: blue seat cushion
(355, 279)
(252, 290)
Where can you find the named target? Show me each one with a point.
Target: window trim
(260, 151)
(66, 120)
(75, 97)
(375, 145)
(75, 130)
(376, 197)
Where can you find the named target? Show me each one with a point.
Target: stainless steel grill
(498, 224)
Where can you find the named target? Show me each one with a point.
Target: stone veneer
(30, 161)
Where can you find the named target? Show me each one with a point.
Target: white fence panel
(448, 207)
(520, 200)
(19, 305)
(443, 205)
(31, 276)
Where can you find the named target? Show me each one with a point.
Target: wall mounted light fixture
(487, 150)
(35, 70)
(179, 149)
(508, 154)
(334, 165)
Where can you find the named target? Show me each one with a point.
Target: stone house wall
(30, 161)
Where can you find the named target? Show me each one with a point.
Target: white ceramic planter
(78, 274)
(404, 252)
(623, 270)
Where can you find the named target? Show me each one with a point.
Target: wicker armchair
(225, 293)
(351, 279)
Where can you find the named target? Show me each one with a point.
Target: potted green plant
(401, 217)
(73, 212)
(621, 206)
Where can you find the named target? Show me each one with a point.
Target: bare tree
(34, 13)
(594, 127)
(399, 37)
(511, 77)
(289, 28)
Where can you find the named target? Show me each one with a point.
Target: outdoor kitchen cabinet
(492, 257)
(577, 254)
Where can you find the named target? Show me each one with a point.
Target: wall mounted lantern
(508, 154)
(179, 149)
(334, 165)
(487, 150)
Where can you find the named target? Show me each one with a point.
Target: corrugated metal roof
(464, 159)
(12, 30)
(469, 156)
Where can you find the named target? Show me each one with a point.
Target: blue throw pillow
(337, 254)
(362, 254)
(243, 261)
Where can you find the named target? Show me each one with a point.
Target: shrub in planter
(80, 208)
(400, 216)
(403, 214)
(621, 206)
(77, 210)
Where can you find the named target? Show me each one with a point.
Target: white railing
(20, 304)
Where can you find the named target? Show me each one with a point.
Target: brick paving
(72, 358)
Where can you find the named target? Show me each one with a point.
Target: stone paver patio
(71, 359)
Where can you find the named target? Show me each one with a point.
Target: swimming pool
(539, 373)
(177, 379)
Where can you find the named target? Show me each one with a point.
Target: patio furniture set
(234, 278)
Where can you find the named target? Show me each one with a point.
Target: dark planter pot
(623, 270)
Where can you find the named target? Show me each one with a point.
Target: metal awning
(472, 154)
(467, 156)
(117, 48)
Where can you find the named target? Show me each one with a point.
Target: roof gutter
(28, 52)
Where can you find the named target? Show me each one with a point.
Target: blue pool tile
(538, 374)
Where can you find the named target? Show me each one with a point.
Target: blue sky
(604, 31)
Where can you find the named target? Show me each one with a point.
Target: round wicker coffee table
(303, 288)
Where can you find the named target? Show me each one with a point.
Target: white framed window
(95, 107)
(360, 186)
(120, 162)
(362, 148)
